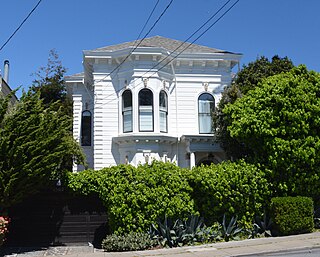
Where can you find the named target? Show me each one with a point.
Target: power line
(205, 31)
(34, 8)
(185, 41)
(132, 50)
(182, 43)
(229, 9)
(145, 24)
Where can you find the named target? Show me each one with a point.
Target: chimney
(6, 71)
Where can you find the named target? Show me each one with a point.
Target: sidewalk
(223, 249)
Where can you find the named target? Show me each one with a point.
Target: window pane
(127, 99)
(145, 97)
(127, 121)
(163, 99)
(204, 106)
(86, 129)
(205, 123)
(163, 121)
(146, 119)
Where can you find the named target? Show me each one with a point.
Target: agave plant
(192, 229)
(178, 233)
(264, 226)
(316, 215)
(168, 234)
(231, 230)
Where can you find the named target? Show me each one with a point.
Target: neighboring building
(156, 105)
(4, 83)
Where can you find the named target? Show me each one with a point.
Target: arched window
(86, 128)
(205, 108)
(145, 110)
(127, 111)
(163, 110)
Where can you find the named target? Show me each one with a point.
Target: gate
(57, 218)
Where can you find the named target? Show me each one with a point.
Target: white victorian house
(134, 104)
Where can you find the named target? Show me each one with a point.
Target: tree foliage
(51, 85)
(34, 141)
(279, 122)
(247, 79)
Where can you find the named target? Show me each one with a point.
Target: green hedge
(232, 188)
(136, 197)
(292, 215)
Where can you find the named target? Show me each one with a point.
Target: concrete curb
(247, 247)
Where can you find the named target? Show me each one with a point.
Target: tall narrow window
(206, 107)
(127, 111)
(163, 110)
(145, 110)
(86, 128)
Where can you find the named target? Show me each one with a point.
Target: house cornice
(156, 51)
(144, 138)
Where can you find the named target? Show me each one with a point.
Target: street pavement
(252, 247)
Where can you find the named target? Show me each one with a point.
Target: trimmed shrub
(136, 197)
(87, 182)
(129, 242)
(292, 215)
(232, 188)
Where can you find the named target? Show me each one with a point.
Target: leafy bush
(129, 242)
(231, 188)
(87, 182)
(292, 215)
(136, 197)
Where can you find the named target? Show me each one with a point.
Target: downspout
(176, 97)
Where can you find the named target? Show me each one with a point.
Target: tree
(279, 122)
(247, 79)
(34, 141)
(50, 83)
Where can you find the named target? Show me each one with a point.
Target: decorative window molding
(86, 131)
(205, 110)
(127, 111)
(146, 110)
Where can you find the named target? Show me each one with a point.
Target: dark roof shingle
(162, 42)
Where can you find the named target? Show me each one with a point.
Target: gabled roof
(162, 42)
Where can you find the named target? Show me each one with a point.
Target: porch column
(192, 160)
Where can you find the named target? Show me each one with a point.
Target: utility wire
(189, 44)
(34, 8)
(176, 56)
(132, 50)
(196, 39)
(145, 24)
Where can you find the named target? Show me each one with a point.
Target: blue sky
(253, 28)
